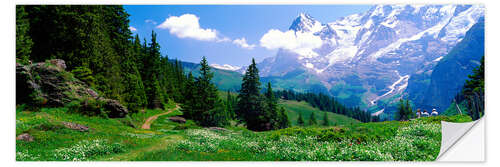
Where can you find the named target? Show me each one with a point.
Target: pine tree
(150, 74)
(271, 111)
(326, 122)
(202, 103)
(134, 93)
(23, 40)
(300, 120)
(404, 112)
(312, 119)
(230, 105)
(284, 122)
(207, 90)
(190, 102)
(250, 101)
(409, 111)
(473, 92)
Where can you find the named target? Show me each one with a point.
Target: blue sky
(221, 25)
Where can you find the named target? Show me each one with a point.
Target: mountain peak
(304, 15)
(305, 23)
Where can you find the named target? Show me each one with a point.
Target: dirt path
(147, 124)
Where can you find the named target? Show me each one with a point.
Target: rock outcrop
(47, 84)
(74, 126)
(25, 137)
(177, 119)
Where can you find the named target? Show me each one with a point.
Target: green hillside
(118, 139)
(294, 108)
(224, 79)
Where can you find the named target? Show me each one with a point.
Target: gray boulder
(25, 137)
(177, 119)
(48, 84)
(76, 126)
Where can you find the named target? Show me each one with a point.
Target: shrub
(86, 106)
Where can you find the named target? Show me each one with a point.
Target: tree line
(327, 103)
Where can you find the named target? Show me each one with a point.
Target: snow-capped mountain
(225, 67)
(370, 56)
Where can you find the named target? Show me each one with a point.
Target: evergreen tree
(312, 119)
(230, 105)
(409, 111)
(190, 102)
(271, 110)
(134, 93)
(300, 120)
(473, 92)
(284, 122)
(326, 122)
(206, 89)
(23, 40)
(404, 112)
(201, 101)
(151, 72)
(250, 101)
(218, 116)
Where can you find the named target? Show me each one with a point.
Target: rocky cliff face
(450, 73)
(47, 84)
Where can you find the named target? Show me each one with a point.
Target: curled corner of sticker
(451, 133)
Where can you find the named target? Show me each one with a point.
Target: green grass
(417, 140)
(117, 139)
(294, 108)
(53, 141)
(224, 79)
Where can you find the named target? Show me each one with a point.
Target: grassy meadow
(123, 139)
(293, 109)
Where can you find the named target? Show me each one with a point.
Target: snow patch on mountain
(370, 45)
(461, 23)
(378, 112)
(225, 67)
(438, 59)
(398, 86)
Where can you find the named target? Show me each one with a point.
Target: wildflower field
(122, 139)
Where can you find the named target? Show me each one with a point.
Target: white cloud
(150, 21)
(242, 42)
(298, 42)
(133, 29)
(188, 26)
